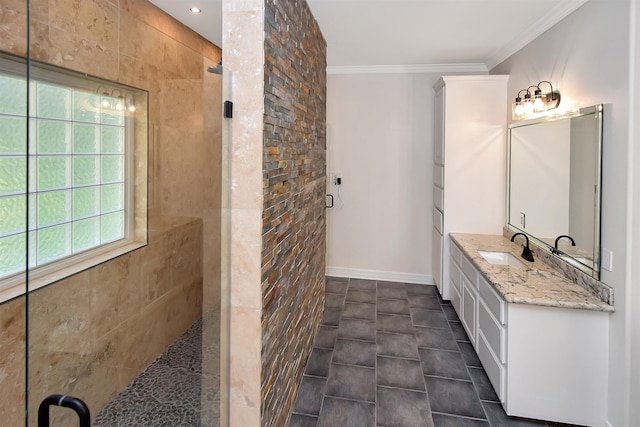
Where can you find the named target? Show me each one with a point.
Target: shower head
(217, 69)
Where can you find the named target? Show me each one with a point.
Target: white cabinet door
(469, 308)
(438, 125)
(438, 248)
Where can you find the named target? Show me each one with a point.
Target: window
(66, 183)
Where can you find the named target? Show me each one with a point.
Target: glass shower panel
(136, 337)
(14, 215)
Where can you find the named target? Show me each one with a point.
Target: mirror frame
(596, 110)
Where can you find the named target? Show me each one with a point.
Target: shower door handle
(74, 403)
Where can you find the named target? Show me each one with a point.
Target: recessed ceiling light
(195, 9)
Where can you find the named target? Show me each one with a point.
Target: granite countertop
(537, 283)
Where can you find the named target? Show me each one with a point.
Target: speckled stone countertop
(537, 283)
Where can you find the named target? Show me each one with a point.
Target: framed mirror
(554, 184)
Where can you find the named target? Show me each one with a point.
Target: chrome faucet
(527, 254)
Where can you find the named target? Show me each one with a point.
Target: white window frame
(51, 272)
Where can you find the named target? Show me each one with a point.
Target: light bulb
(528, 106)
(538, 104)
(105, 103)
(519, 110)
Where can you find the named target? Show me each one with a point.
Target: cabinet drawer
(438, 198)
(469, 307)
(438, 175)
(456, 301)
(493, 332)
(495, 304)
(438, 220)
(455, 275)
(470, 271)
(495, 370)
(455, 252)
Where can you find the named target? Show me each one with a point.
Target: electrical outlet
(337, 178)
(607, 259)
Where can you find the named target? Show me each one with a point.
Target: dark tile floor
(180, 388)
(393, 354)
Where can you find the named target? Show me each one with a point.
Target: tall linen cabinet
(469, 190)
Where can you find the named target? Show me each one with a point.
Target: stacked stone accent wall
(294, 172)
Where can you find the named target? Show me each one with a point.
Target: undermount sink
(501, 258)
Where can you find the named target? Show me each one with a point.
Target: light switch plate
(607, 259)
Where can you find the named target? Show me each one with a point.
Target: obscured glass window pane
(62, 171)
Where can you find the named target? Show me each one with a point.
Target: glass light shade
(538, 104)
(528, 106)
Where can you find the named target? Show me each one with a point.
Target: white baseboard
(389, 276)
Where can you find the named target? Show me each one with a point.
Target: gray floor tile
(442, 420)
(310, 394)
(392, 292)
(397, 345)
(331, 316)
(347, 413)
(424, 301)
(459, 334)
(356, 310)
(336, 285)
(362, 284)
(357, 329)
(442, 363)
(350, 352)
(361, 295)
(469, 354)
(326, 337)
(483, 385)
(352, 382)
(498, 418)
(333, 300)
(454, 397)
(393, 323)
(402, 408)
(393, 306)
(436, 338)
(298, 420)
(430, 318)
(319, 362)
(400, 373)
(420, 289)
(450, 313)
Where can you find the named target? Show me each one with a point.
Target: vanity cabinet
(547, 363)
(469, 163)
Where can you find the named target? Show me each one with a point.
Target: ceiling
(361, 33)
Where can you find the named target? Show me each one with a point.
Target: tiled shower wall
(132, 299)
(294, 169)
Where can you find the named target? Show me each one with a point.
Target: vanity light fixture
(119, 99)
(104, 94)
(539, 105)
(195, 9)
(130, 102)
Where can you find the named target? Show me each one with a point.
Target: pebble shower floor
(179, 389)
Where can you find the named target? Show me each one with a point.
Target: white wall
(380, 137)
(586, 56)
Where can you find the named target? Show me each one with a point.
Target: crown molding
(548, 20)
(403, 69)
